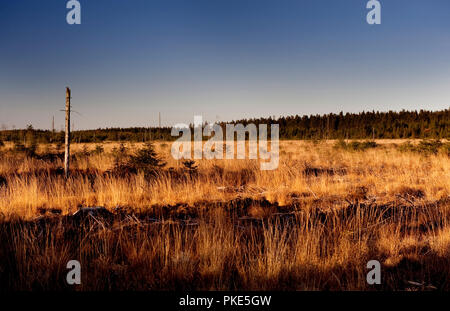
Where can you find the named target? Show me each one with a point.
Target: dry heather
(313, 223)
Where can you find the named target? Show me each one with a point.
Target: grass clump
(190, 165)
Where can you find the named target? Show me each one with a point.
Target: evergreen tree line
(365, 125)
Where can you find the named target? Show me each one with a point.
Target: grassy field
(312, 224)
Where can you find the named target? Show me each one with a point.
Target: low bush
(355, 145)
(98, 149)
(145, 160)
(446, 149)
(29, 151)
(426, 147)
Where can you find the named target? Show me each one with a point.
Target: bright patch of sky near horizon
(222, 59)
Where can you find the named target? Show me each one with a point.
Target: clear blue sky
(223, 59)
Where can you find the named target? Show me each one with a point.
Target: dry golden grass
(384, 171)
(339, 209)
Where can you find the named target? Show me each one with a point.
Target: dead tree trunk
(67, 142)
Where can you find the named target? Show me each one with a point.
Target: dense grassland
(312, 224)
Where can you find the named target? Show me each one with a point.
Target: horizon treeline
(365, 125)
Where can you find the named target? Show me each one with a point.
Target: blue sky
(222, 59)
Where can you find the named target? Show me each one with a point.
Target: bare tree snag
(67, 142)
